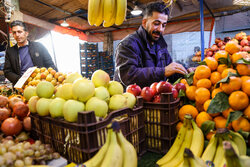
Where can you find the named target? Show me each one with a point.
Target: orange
(215, 77)
(204, 83)
(220, 54)
(190, 92)
(215, 91)
(226, 112)
(202, 95)
(187, 109)
(202, 71)
(210, 134)
(241, 123)
(220, 122)
(247, 112)
(238, 100)
(226, 71)
(236, 56)
(178, 126)
(243, 69)
(246, 87)
(184, 81)
(233, 85)
(244, 78)
(205, 106)
(221, 68)
(195, 80)
(211, 63)
(232, 47)
(202, 117)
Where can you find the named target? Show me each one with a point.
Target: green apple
(29, 92)
(56, 107)
(32, 103)
(100, 78)
(100, 107)
(114, 88)
(83, 89)
(71, 109)
(71, 77)
(42, 106)
(102, 93)
(131, 100)
(117, 102)
(45, 89)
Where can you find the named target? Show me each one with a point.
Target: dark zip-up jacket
(38, 53)
(136, 61)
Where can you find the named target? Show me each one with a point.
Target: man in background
(142, 57)
(24, 54)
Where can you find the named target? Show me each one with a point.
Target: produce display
(77, 94)
(106, 12)
(218, 91)
(116, 151)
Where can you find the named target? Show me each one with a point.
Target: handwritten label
(24, 78)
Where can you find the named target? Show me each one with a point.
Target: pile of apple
(44, 74)
(78, 94)
(14, 116)
(241, 38)
(152, 93)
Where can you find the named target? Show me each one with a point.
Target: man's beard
(156, 33)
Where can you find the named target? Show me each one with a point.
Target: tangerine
(178, 126)
(202, 95)
(202, 117)
(190, 92)
(220, 122)
(247, 112)
(241, 123)
(215, 91)
(226, 71)
(215, 77)
(232, 47)
(211, 63)
(233, 85)
(246, 87)
(202, 71)
(221, 68)
(226, 112)
(204, 83)
(243, 69)
(187, 109)
(220, 54)
(238, 100)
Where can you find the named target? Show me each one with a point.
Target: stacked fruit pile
(108, 12)
(241, 38)
(78, 94)
(219, 90)
(20, 154)
(116, 151)
(14, 116)
(44, 74)
(190, 136)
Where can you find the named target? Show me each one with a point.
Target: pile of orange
(203, 89)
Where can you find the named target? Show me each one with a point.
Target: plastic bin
(160, 123)
(78, 142)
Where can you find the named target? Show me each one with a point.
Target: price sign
(24, 78)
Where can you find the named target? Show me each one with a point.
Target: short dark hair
(155, 7)
(18, 23)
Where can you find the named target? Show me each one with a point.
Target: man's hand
(174, 68)
(191, 69)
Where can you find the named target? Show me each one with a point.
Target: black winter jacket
(39, 55)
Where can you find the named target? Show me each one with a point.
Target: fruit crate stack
(89, 58)
(80, 141)
(160, 123)
(106, 63)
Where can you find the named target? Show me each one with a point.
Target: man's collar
(24, 45)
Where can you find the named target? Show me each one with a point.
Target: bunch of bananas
(116, 152)
(232, 158)
(190, 160)
(189, 136)
(214, 150)
(108, 12)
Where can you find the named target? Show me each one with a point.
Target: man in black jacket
(24, 54)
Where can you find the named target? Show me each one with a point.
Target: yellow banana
(110, 23)
(209, 153)
(219, 153)
(193, 160)
(232, 159)
(240, 142)
(128, 150)
(178, 158)
(113, 156)
(99, 18)
(176, 145)
(99, 156)
(93, 7)
(197, 144)
(120, 11)
(109, 10)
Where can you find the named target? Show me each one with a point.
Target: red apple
(157, 99)
(164, 87)
(153, 87)
(147, 94)
(240, 36)
(246, 49)
(180, 86)
(209, 53)
(217, 40)
(214, 48)
(175, 93)
(248, 37)
(244, 42)
(221, 43)
(222, 47)
(134, 89)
